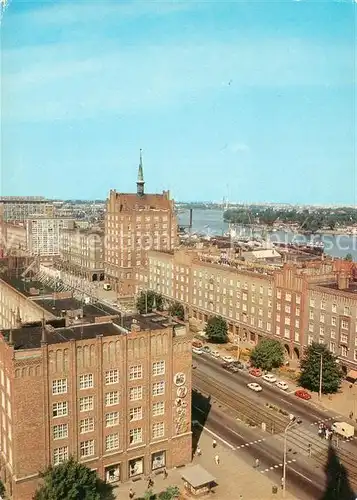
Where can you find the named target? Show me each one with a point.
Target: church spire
(140, 182)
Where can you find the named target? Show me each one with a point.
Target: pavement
(234, 475)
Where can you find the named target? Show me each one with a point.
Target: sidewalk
(234, 476)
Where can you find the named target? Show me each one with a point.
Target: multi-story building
(14, 238)
(117, 397)
(43, 235)
(294, 303)
(134, 224)
(19, 209)
(82, 252)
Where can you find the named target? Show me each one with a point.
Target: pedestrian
(216, 459)
(165, 473)
(351, 415)
(214, 443)
(282, 483)
(131, 494)
(198, 451)
(257, 463)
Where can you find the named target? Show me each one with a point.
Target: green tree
(310, 367)
(2, 489)
(177, 309)
(149, 495)
(149, 300)
(349, 257)
(71, 480)
(267, 354)
(216, 330)
(170, 493)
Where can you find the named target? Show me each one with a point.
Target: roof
(90, 311)
(147, 201)
(197, 476)
(269, 253)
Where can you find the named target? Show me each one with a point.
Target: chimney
(18, 318)
(43, 332)
(135, 327)
(343, 281)
(11, 338)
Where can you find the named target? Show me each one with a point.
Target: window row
(60, 409)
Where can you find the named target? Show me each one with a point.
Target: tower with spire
(140, 182)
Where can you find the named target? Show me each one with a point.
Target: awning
(197, 476)
(352, 375)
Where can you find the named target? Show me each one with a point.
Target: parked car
(256, 372)
(228, 359)
(301, 393)
(282, 385)
(197, 343)
(238, 364)
(269, 378)
(215, 354)
(196, 350)
(206, 349)
(230, 367)
(255, 387)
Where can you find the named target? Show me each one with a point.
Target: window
(346, 311)
(286, 333)
(323, 305)
(322, 318)
(86, 425)
(158, 408)
(112, 442)
(111, 419)
(136, 413)
(332, 347)
(136, 372)
(278, 294)
(86, 403)
(322, 331)
(312, 302)
(334, 308)
(60, 431)
(310, 339)
(87, 448)
(297, 337)
(60, 409)
(278, 306)
(278, 317)
(298, 299)
(355, 355)
(244, 296)
(344, 351)
(287, 320)
(344, 338)
(261, 289)
(111, 398)
(260, 323)
(344, 324)
(277, 331)
(287, 308)
(158, 389)
(111, 377)
(270, 291)
(311, 327)
(135, 393)
(158, 430)
(135, 436)
(260, 312)
(59, 386)
(333, 321)
(269, 327)
(311, 314)
(333, 334)
(158, 368)
(288, 297)
(60, 455)
(86, 381)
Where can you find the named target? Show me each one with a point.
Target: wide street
(306, 478)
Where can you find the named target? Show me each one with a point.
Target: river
(210, 222)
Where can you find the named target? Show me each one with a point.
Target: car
(197, 350)
(238, 364)
(255, 387)
(256, 372)
(282, 385)
(230, 367)
(206, 349)
(301, 393)
(228, 359)
(268, 377)
(197, 343)
(215, 354)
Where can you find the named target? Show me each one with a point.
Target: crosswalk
(277, 466)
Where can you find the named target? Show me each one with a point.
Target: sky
(254, 101)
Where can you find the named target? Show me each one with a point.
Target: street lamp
(289, 426)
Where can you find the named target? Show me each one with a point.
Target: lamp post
(289, 426)
(320, 385)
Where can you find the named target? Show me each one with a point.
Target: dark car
(238, 364)
(230, 367)
(206, 349)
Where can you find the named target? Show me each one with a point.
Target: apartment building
(14, 238)
(294, 303)
(82, 252)
(19, 209)
(43, 235)
(134, 224)
(116, 396)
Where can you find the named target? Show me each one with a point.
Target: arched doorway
(296, 353)
(95, 277)
(287, 350)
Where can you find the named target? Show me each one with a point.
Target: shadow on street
(201, 406)
(338, 485)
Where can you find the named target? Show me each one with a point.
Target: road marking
(266, 470)
(302, 475)
(199, 409)
(217, 437)
(276, 466)
(280, 465)
(271, 468)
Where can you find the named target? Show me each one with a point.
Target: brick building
(296, 303)
(116, 396)
(135, 223)
(82, 252)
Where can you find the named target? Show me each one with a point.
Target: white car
(269, 378)
(255, 387)
(282, 385)
(215, 354)
(197, 350)
(228, 359)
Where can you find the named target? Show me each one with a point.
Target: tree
(216, 330)
(267, 354)
(2, 489)
(146, 303)
(177, 309)
(310, 367)
(349, 257)
(170, 493)
(71, 480)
